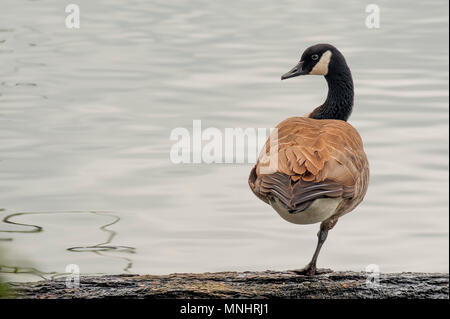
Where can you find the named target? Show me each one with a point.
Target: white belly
(320, 210)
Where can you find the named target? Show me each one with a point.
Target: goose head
(319, 59)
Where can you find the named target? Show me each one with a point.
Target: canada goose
(321, 171)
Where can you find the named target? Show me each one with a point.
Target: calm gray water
(86, 114)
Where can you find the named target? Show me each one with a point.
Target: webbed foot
(311, 270)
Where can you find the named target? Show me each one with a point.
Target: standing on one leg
(322, 235)
(321, 171)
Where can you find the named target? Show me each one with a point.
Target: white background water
(86, 114)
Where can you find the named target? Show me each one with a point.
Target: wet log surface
(267, 284)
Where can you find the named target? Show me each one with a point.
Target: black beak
(296, 71)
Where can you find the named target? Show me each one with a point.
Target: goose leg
(311, 268)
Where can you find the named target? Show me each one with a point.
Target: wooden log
(267, 284)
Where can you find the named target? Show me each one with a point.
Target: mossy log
(267, 284)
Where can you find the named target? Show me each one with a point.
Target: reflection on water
(86, 115)
(7, 219)
(104, 247)
(16, 270)
(101, 249)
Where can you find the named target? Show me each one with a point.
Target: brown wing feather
(328, 154)
(295, 196)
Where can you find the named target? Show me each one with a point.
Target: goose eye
(314, 57)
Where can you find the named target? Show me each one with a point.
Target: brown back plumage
(316, 158)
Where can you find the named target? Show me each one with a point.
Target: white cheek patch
(321, 68)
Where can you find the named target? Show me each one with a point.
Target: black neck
(339, 102)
